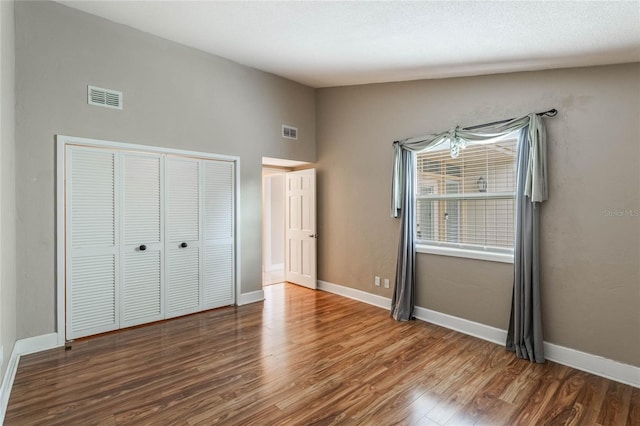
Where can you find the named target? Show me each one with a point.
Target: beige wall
(7, 184)
(590, 261)
(183, 98)
(174, 96)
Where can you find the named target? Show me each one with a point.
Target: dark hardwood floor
(302, 358)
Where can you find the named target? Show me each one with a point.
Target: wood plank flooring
(305, 358)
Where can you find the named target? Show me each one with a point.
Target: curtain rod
(550, 113)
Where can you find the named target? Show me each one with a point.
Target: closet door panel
(92, 295)
(183, 282)
(218, 218)
(92, 238)
(182, 183)
(142, 192)
(183, 199)
(142, 237)
(142, 292)
(218, 272)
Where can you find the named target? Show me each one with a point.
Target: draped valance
(458, 138)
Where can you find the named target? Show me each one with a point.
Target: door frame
(62, 142)
(267, 173)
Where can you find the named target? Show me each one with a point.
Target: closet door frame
(62, 142)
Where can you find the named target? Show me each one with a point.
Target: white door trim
(61, 143)
(266, 223)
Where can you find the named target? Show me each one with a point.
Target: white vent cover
(104, 97)
(289, 132)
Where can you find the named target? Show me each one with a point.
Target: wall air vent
(104, 97)
(289, 132)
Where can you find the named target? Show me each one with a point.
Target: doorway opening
(273, 204)
(277, 228)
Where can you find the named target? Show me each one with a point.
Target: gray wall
(7, 184)
(174, 96)
(183, 98)
(590, 259)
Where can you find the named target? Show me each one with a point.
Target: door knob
(143, 247)
(183, 245)
(313, 236)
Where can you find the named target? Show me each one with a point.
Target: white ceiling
(323, 44)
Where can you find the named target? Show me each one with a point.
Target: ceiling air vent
(104, 97)
(289, 132)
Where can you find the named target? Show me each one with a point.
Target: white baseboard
(475, 329)
(352, 293)
(36, 344)
(7, 383)
(594, 364)
(22, 347)
(251, 297)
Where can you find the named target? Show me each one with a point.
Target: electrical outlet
(377, 281)
(386, 283)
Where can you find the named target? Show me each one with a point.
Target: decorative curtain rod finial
(551, 113)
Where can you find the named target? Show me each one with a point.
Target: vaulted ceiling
(322, 44)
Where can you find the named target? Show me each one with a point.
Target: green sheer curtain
(525, 330)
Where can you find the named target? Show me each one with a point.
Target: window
(465, 206)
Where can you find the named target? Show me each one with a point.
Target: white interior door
(92, 242)
(142, 239)
(182, 247)
(300, 228)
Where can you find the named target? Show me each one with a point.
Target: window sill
(469, 254)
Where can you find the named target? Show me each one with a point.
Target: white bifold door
(183, 237)
(218, 235)
(148, 236)
(92, 241)
(141, 268)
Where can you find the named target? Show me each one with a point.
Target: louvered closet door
(218, 224)
(91, 241)
(142, 239)
(182, 248)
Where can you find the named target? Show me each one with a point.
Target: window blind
(467, 202)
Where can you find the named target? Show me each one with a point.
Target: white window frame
(464, 253)
(444, 249)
